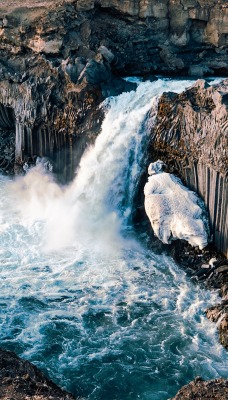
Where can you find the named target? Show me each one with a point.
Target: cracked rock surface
(21, 380)
(216, 389)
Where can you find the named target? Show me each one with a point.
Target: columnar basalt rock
(191, 136)
(54, 109)
(50, 114)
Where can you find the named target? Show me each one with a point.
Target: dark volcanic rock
(20, 380)
(191, 137)
(208, 268)
(143, 36)
(51, 84)
(219, 314)
(49, 115)
(216, 389)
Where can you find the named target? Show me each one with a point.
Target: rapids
(81, 295)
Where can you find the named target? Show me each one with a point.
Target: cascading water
(104, 316)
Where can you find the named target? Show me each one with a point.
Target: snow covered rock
(174, 211)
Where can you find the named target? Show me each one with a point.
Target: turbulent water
(82, 297)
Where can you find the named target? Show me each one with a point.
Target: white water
(106, 318)
(91, 210)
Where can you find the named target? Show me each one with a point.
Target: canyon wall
(165, 36)
(60, 59)
(191, 137)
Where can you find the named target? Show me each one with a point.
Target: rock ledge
(216, 389)
(21, 380)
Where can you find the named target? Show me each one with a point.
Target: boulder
(19, 380)
(219, 314)
(216, 389)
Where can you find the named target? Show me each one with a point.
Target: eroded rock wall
(59, 59)
(145, 36)
(49, 117)
(191, 136)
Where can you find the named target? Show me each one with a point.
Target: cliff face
(51, 84)
(145, 36)
(191, 136)
(60, 59)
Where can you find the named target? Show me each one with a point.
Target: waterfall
(98, 202)
(109, 170)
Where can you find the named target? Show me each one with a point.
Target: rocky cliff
(44, 114)
(60, 59)
(191, 136)
(167, 36)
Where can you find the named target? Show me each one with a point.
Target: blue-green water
(84, 300)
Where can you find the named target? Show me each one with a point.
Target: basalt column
(191, 137)
(7, 138)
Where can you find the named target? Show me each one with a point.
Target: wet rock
(199, 389)
(224, 291)
(219, 314)
(94, 73)
(199, 71)
(20, 380)
(170, 60)
(222, 270)
(107, 54)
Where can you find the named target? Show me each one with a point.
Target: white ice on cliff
(174, 211)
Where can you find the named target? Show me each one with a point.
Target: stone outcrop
(216, 389)
(144, 36)
(191, 136)
(20, 380)
(44, 113)
(49, 99)
(47, 116)
(219, 314)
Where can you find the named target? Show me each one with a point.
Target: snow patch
(174, 211)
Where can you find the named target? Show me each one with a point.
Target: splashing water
(105, 317)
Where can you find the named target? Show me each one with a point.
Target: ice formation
(174, 211)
